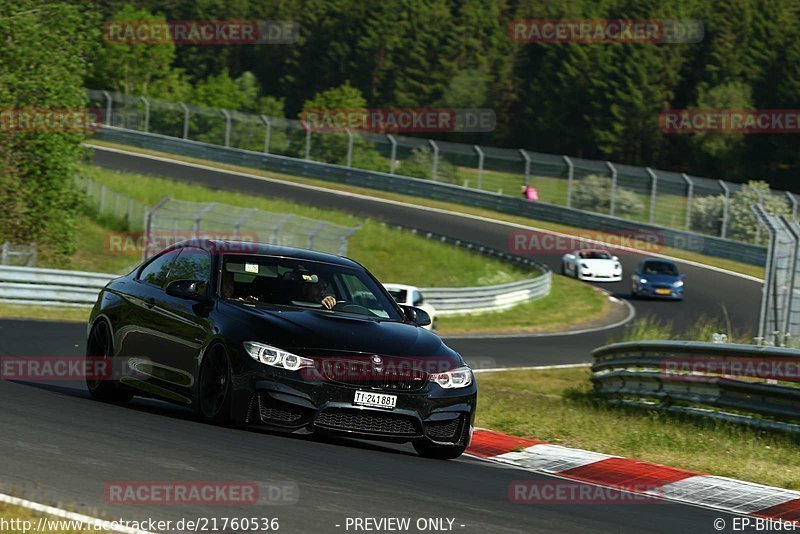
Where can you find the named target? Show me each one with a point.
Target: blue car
(657, 278)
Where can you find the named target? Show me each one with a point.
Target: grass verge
(554, 406)
(723, 263)
(569, 303)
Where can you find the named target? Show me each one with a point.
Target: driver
(315, 292)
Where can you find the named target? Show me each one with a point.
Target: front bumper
(293, 402)
(599, 277)
(675, 293)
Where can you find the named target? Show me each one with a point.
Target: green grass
(46, 313)
(554, 406)
(548, 186)
(393, 255)
(569, 303)
(702, 329)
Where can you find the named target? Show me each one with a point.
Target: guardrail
(50, 287)
(684, 240)
(744, 384)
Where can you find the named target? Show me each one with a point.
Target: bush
(707, 214)
(743, 223)
(420, 165)
(593, 193)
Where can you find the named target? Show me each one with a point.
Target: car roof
(264, 249)
(658, 260)
(593, 250)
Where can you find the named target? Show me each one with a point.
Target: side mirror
(187, 289)
(615, 258)
(416, 315)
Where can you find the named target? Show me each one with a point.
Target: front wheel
(214, 391)
(100, 347)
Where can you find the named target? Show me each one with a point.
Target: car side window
(192, 264)
(156, 271)
(417, 299)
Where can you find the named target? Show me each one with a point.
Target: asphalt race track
(58, 445)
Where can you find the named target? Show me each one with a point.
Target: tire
(101, 345)
(426, 449)
(214, 387)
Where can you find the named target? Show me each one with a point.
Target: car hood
(599, 265)
(312, 331)
(660, 278)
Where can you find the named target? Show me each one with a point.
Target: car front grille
(369, 422)
(443, 430)
(361, 374)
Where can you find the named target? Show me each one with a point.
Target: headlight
(457, 378)
(276, 357)
(679, 283)
(584, 266)
(617, 267)
(642, 280)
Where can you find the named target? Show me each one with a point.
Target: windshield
(269, 280)
(595, 255)
(660, 267)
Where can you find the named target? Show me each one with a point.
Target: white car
(411, 296)
(592, 265)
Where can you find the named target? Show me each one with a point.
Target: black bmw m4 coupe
(283, 339)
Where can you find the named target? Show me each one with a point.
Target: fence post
(758, 226)
(146, 113)
(4, 255)
(653, 192)
(527, 159)
(109, 107)
(200, 215)
(612, 201)
(267, 132)
(185, 109)
(570, 178)
(435, 163)
(689, 195)
(725, 206)
(787, 312)
(313, 233)
(241, 219)
(102, 199)
(308, 144)
(227, 115)
(393, 157)
(278, 226)
(32, 256)
(480, 165)
(793, 202)
(349, 147)
(767, 277)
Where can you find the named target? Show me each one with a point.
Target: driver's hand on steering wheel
(328, 302)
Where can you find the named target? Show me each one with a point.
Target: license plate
(662, 291)
(376, 400)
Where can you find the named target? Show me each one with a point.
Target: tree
(44, 58)
(743, 224)
(134, 69)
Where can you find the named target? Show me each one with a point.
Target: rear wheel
(101, 347)
(214, 391)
